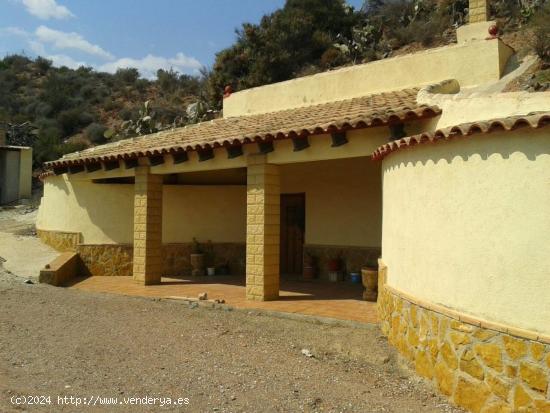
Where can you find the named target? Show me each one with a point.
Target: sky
(107, 34)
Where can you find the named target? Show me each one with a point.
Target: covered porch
(268, 190)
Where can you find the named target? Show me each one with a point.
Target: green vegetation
(72, 109)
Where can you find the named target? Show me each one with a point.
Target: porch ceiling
(367, 111)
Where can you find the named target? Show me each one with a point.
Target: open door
(293, 220)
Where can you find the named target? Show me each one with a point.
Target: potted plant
(210, 258)
(369, 275)
(309, 267)
(197, 258)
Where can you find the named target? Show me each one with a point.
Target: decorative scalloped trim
(535, 121)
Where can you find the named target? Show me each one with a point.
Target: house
(418, 160)
(15, 171)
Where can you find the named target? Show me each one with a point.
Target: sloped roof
(367, 111)
(534, 121)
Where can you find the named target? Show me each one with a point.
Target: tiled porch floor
(335, 300)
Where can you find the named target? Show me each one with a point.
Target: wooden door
(293, 223)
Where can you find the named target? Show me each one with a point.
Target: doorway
(293, 225)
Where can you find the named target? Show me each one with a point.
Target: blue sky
(107, 34)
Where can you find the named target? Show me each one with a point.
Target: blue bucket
(355, 277)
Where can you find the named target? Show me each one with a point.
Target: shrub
(541, 33)
(127, 75)
(94, 132)
(72, 120)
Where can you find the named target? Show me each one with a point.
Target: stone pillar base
(147, 227)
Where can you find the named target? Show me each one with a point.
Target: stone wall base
(116, 259)
(481, 369)
(60, 241)
(353, 258)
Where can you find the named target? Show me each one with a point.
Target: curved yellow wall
(104, 213)
(466, 224)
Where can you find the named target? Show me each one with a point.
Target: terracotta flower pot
(370, 282)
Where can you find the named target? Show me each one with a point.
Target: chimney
(479, 26)
(478, 11)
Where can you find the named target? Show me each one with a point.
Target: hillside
(70, 109)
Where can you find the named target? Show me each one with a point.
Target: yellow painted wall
(466, 225)
(104, 213)
(472, 63)
(25, 173)
(343, 200)
(217, 213)
(471, 107)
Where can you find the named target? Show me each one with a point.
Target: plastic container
(355, 277)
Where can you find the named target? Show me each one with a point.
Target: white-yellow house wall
(103, 213)
(343, 200)
(466, 226)
(472, 63)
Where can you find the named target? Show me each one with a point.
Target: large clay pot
(197, 264)
(370, 282)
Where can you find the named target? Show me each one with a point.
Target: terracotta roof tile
(367, 111)
(534, 120)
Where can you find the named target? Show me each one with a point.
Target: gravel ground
(57, 343)
(63, 342)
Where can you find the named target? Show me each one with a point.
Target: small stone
(412, 337)
(423, 364)
(465, 328)
(413, 316)
(542, 406)
(484, 335)
(203, 296)
(499, 387)
(28, 281)
(514, 347)
(537, 351)
(491, 355)
(470, 365)
(445, 378)
(534, 376)
(307, 353)
(511, 371)
(460, 338)
(471, 395)
(448, 355)
(521, 398)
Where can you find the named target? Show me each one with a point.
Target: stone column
(478, 11)
(147, 227)
(262, 229)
